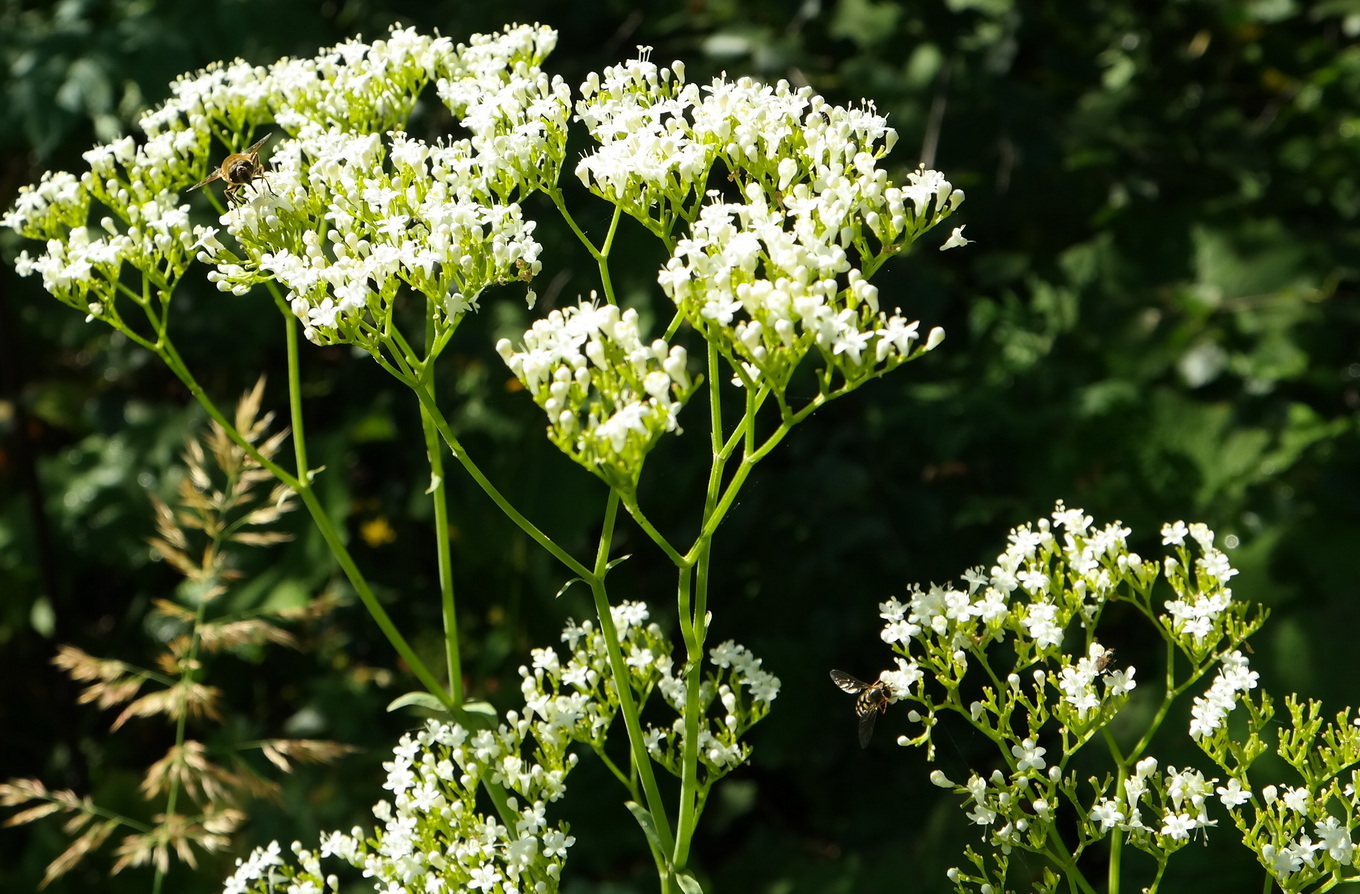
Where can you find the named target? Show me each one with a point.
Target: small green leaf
(474, 715)
(416, 700)
(567, 586)
(688, 883)
(644, 818)
(479, 708)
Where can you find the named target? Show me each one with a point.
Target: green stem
(618, 774)
(602, 259)
(1116, 861)
(631, 504)
(642, 761)
(694, 624)
(1164, 709)
(560, 202)
(1060, 853)
(295, 419)
(715, 423)
(460, 453)
(601, 255)
(302, 487)
(439, 496)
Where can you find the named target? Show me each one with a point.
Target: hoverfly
(1103, 661)
(872, 701)
(239, 170)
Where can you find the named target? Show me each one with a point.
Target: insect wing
(255, 147)
(847, 682)
(215, 175)
(868, 716)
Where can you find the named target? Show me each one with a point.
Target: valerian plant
(769, 274)
(1049, 690)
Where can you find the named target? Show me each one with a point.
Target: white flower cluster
(350, 219)
(576, 701)
(434, 839)
(609, 396)
(766, 285)
(1077, 681)
(1203, 597)
(338, 218)
(660, 137)
(1056, 572)
(1235, 677)
(516, 114)
(719, 743)
(1064, 571)
(83, 265)
(1033, 592)
(781, 269)
(1293, 808)
(1178, 806)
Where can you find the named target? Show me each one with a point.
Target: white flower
(1029, 756)
(484, 877)
(1297, 799)
(1107, 814)
(1176, 826)
(1281, 862)
(1335, 838)
(955, 240)
(555, 843)
(1174, 534)
(1233, 794)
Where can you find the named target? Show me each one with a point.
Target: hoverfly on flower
(239, 170)
(873, 699)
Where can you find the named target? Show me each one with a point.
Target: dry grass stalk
(218, 509)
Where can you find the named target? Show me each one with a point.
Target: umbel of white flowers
(436, 837)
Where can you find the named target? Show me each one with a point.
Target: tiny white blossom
(1029, 756)
(955, 240)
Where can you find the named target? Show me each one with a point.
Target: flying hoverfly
(239, 170)
(872, 701)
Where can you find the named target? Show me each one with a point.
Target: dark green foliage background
(1158, 322)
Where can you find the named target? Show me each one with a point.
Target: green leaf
(473, 715)
(484, 708)
(567, 586)
(416, 700)
(644, 819)
(688, 883)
